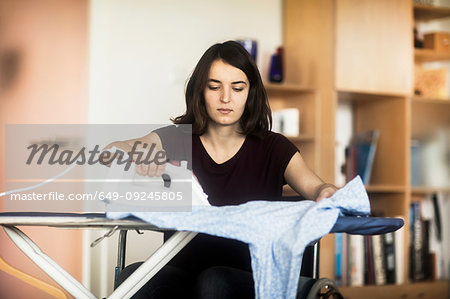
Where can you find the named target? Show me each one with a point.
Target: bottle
(276, 66)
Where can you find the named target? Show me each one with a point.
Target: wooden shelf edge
(287, 87)
(423, 12)
(386, 188)
(426, 289)
(429, 55)
(429, 190)
(354, 95)
(419, 99)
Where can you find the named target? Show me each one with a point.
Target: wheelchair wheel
(324, 288)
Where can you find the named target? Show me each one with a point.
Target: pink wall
(49, 37)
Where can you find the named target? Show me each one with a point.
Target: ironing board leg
(120, 255)
(152, 265)
(316, 256)
(64, 279)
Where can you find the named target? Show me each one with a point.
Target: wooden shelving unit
(345, 51)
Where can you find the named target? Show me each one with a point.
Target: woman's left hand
(325, 191)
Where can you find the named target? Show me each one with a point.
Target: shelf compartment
(387, 113)
(305, 102)
(305, 99)
(425, 13)
(432, 289)
(428, 55)
(388, 203)
(429, 190)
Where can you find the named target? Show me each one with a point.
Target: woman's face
(225, 94)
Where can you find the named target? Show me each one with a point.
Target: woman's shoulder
(275, 136)
(272, 139)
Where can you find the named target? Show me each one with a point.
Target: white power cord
(40, 184)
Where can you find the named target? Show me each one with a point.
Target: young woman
(236, 158)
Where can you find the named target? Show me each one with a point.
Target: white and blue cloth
(277, 232)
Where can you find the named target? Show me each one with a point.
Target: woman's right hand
(154, 153)
(147, 152)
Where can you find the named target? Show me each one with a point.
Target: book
(399, 252)
(344, 262)
(437, 216)
(350, 162)
(426, 255)
(389, 256)
(338, 258)
(416, 163)
(366, 144)
(356, 260)
(361, 154)
(368, 265)
(416, 245)
(378, 260)
(433, 238)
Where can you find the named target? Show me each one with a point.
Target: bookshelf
(360, 52)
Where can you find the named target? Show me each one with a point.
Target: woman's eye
(238, 89)
(213, 87)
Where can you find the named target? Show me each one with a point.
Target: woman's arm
(304, 181)
(152, 169)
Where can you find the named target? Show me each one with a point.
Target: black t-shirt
(255, 172)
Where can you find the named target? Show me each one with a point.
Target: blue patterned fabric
(277, 232)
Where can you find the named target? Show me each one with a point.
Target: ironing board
(10, 220)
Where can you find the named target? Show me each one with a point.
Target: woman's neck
(222, 143)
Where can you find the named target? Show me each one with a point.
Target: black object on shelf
(418, 43)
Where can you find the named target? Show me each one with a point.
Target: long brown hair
(256, 119)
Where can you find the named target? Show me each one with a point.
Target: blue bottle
(276, 66)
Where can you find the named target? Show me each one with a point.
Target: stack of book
(379, 259)
(364, 260)
(427, 254)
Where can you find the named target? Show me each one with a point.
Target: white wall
(141, 53)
